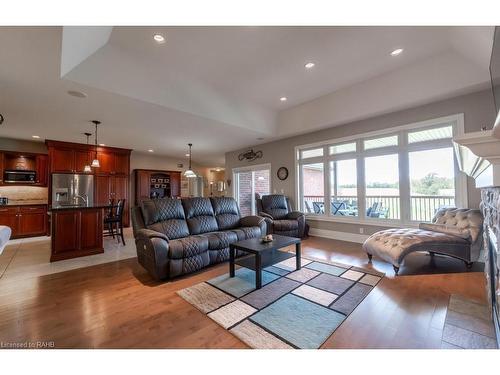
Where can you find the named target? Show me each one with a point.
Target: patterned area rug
(293, 309)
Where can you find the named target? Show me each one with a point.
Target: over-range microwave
(19, 177)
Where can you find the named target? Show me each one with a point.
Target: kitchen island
(76, 231)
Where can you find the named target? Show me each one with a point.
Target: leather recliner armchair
(280, 218)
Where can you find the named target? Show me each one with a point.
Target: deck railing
(423, 207)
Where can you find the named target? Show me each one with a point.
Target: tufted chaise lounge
(453, 232)
(175, 237)
(280, 218)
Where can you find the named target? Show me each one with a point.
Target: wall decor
(282, 173)
(250, 155)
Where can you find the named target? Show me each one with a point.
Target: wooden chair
(115, 221)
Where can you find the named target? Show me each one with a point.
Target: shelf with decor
(155, 184)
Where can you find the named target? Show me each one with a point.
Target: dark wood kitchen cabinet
(76, 232)
(111, 179)
(68, 160)
(115, 188)
(24, 220)
(24, 161)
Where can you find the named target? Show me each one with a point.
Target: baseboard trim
(336, 235)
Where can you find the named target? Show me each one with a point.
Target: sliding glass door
(248, 182)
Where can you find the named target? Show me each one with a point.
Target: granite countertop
(26, 202)
(62, 208)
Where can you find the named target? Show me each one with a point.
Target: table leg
(297, 254)
(231, 261)
(258, 271)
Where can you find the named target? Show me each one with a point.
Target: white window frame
(402, 149)
(250, 168)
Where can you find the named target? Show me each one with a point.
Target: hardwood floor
(117, 305)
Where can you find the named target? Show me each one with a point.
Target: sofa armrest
(255, 221)
(148, 233)
(265, 216)
(446, 229)
(251, 221)
(294, 215)
(152, 252)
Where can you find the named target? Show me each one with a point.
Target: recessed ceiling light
(396, 52)
(309, 65)
(102, 144)
(35, 136)
(158, 38)
(283, 99)
(77, 94)
(150, 150)
(187, 155)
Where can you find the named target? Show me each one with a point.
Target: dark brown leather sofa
(279, 216)
(175, 237)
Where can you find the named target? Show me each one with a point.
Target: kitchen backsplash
(24, 193)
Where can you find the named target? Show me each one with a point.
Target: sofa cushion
(199, 215)
(244, 233)
(187, 247)
(275, 205)
(220, 240)
(166, 216)
(226, 212)
(285, 225)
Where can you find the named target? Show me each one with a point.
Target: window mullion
(327, 192)
(404, 180)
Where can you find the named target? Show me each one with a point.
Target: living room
(244, 182)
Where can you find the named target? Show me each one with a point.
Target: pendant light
(95, 162)
(87, 168)
(189, 173)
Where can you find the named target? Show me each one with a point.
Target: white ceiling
(219, 87)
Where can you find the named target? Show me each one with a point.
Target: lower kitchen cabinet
(76, 232)
(25, 221)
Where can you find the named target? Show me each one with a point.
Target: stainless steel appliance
(19, 176)
(72, 190)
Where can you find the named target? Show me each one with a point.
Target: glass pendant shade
(189, 172)
(95, 164)
(87, 168)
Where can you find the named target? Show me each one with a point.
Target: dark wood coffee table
(262, 255)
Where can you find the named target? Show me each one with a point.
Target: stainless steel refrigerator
(72, 190)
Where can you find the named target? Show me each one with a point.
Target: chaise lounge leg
(469, 265)
(396, 270)
(370, 256)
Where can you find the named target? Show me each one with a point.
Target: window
(312, 176)
(342, 149)
(382, 186)
(381, 142)
(312, 153)
(432, 182)
(404, 175)
(248, 183)
(430, 134)
(343, 185)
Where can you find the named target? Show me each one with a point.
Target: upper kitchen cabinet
(20, 168)
(72, 157)
(113, 162)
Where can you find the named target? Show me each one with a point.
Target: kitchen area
(65, 194)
